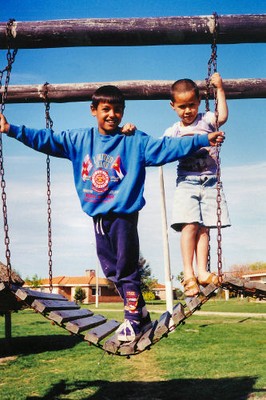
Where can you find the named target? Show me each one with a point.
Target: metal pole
(167, 267)
(97, 285)
(96, 278)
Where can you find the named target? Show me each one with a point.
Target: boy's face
(186, 105)
(108, 116)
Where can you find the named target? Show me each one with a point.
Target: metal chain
(49, 125)
(209, 252)
(212, 68)
(212, 63)
(7, 72)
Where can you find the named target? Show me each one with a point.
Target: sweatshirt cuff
(13, 130)
(203, 140)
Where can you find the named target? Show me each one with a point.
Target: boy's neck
(108, 133)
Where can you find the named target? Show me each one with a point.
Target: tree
(180, 277)
(35, 281)
(80, 295)
(148, 281)
(258, 266)
(238, 270)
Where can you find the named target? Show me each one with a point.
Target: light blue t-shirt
(203, 161)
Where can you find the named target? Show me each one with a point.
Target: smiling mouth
(111, 124)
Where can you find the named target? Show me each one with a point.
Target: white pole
(167, 268)
(96, 278)
(97, 285)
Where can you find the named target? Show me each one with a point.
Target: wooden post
(167, 267)
(8, 330)
(226, 292)
(248, 28)
(133, 90)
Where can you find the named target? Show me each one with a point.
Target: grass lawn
(210, 357)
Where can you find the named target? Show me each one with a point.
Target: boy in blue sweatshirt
(109, 174)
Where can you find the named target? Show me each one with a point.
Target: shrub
(80, 295)
(149, 296)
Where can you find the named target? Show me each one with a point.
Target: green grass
(246, 305)
(210, 357)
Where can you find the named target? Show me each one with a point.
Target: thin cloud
(73, 231)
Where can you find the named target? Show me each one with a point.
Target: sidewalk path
(232, 314)
(219, 313)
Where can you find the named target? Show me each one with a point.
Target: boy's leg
(125, 236)
(118, 251)
(202, 250)
(204, 276)
(188, 245)
(208, 204)
(106, 255)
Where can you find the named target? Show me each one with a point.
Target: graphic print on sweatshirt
(104, 172)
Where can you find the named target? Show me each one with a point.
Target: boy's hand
(216, 138)
(4, 125)
(216, 80)
(128, 129)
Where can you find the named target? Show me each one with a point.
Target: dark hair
(108, 94)
(184, 85)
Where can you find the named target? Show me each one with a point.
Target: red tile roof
(75, 280)
(159, 286)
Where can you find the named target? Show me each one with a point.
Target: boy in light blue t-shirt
(195, 204)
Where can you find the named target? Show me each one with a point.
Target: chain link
(6, 72)
(49, 125)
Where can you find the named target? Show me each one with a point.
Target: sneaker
(132, 330)
(128, 331)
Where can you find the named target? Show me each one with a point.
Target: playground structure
(130, 32)
(95, 328)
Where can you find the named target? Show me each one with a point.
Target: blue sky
(243, 153)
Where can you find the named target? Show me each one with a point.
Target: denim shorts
(195, 201)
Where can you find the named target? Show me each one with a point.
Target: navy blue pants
(117, 244)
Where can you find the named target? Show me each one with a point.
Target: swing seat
(97, 330)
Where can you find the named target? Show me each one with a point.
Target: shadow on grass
(36, 344)
(176, 389)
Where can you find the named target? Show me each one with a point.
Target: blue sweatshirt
(109, 170)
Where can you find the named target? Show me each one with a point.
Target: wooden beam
(8, 328)
(133, 90)
(247, 28)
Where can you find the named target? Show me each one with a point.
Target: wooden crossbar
(81, 324)
(245, 88)
(146, 340)
(44, 306)
(63, 316)
(95, 335)
(163, 325)
(30, 295)
(248, 28)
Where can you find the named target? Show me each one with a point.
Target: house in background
(66, 286)
(256, 277)
(107, 293)
(160, 292)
